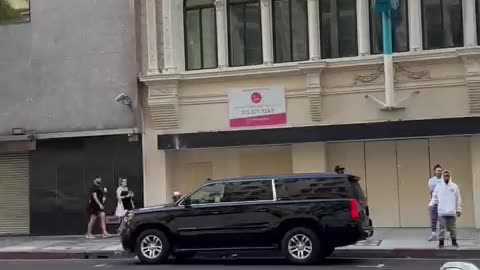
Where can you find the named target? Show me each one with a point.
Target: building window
(477, 7)
(245, 32)
(399, 29)
(290, 24)
(14, 11)
(442, 24)
(200, 34)
(338, 28)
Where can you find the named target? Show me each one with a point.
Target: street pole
(387, 58)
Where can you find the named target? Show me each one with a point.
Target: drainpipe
(385, 8)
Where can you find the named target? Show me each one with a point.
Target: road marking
(371, 266)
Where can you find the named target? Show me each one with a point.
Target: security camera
(121, 97)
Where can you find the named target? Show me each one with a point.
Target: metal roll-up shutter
(14, 194)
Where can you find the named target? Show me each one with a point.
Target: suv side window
(311, 188)
(212, 193)
(243, 191)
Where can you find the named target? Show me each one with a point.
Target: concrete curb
(407, 253)
(61, 255)
(247, 255)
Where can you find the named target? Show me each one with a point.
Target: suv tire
(153, 247)
(302, 246)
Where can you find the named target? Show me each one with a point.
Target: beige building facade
(332, 117)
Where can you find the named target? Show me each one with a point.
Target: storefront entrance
(395, 174)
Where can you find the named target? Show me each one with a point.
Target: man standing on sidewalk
(433, 210)
(447, 196)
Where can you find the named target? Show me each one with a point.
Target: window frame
(477, 20)
(371, 28)
(199, 8)
(21, 22)
(345, 180)
(181, 202)
(243, 3)
(337, 16)
(443, 25)
(253, 180)
(290, 26)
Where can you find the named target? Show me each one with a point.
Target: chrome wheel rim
(300, 247)
(151, 246)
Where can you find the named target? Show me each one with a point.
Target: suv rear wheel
(302, 246)
(153, 247)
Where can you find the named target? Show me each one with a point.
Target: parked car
(306, 216)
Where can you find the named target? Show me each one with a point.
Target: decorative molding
(162, 105)
(472, 78)
(314, 94)
(399, 70)
(282, 68)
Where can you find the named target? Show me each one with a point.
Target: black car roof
(287, 176)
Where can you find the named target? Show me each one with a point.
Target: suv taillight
(353, 209)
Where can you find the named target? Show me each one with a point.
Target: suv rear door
(359, 195)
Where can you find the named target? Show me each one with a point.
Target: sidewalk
(386, 243)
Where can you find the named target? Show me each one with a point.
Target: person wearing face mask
(433, 210)
(447, 196)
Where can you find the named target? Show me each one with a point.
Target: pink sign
(257, 107)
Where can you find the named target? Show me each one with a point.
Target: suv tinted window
(212, 193)
(311, 188)
(248, 191)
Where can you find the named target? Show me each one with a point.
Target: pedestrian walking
(125, 202)
(433, 210)
(96, 208)
(447, 196)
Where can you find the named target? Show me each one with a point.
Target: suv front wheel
(302, 246)
(153, 247)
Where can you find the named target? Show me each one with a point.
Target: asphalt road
(332, 264)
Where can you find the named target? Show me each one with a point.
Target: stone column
(173, 36)
(267, 35)
(222, 43)
(415, 25)
(475, 151)
(363, 27)
(152, 50)
(314, 30)
(157, 171)
(309, 157)
(469, 23)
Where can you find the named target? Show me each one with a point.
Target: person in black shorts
(125, 202)
(96, 208)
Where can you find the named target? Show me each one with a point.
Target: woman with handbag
(125, 202)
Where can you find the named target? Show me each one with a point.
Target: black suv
(306, 216)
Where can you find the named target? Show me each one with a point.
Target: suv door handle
(263, 210)
(215, 212)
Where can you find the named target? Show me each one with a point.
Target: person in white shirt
(447, 197)
(433, 210)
